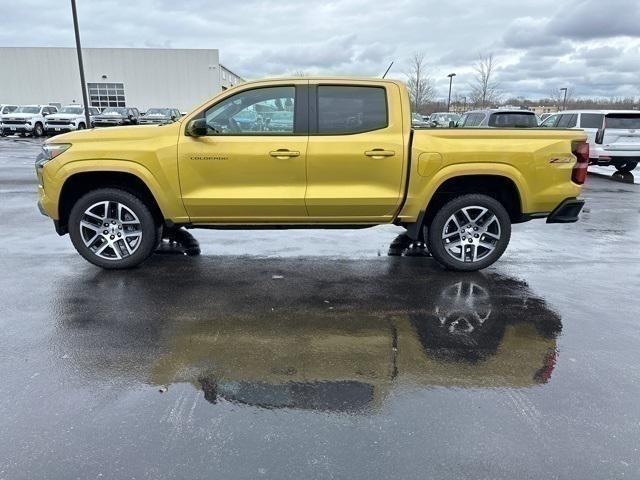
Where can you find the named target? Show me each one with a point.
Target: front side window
(351, 109)
(261, 111)
(550, 121)
(591, 120)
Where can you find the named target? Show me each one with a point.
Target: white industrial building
(132, 77)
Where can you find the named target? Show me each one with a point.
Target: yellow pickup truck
(308, 153)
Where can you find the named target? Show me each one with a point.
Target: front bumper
(99, 124)
(61, 128)
(566, 212)
(22, 128)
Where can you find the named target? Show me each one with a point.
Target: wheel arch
(78, 184)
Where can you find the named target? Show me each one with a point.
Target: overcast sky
(592, 46)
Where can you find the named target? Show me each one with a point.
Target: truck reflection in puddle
(325, 347)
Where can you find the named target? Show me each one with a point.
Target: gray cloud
(540, 45)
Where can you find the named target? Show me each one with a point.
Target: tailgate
(622, 132)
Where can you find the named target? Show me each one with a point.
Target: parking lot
(312, 354)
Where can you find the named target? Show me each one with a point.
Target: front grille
(58, 122)
(9, 121)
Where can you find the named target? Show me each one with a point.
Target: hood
(7, 116)
(65, 116)
(110, 116)
(124, 133)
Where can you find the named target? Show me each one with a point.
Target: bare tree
(420, 85)
(484, 88)
(300, 73)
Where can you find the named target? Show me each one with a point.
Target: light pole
(85, 100)
(451, 75)
(564, 101)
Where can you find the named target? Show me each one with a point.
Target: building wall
(180, 78)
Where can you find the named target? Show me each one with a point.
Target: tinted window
(351, 109)
(258, 111)
(567, 120)
(550, 121)
(623, 121)
(513, 120)
(591, 120)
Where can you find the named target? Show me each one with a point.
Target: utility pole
(451, 75)
(85, 99)
(564, 101)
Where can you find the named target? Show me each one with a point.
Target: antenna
(387, 70)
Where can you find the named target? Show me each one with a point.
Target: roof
(600, 111)
(327, 79)
(501, 110)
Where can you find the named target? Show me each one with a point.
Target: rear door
(622, 132)
(590, 123)
(356, 151)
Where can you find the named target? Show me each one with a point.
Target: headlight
(50, 151)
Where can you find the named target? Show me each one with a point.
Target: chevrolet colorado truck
(308, 153)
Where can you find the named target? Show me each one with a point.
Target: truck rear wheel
(112, 228)
(469, 232)
(626, 167)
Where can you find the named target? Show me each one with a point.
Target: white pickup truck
(68, 119)
(27, 119)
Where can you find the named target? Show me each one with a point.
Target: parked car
(349, 162)
(117, 116)
(69, 118)
(444, 119)
(614, 135)
(5, 109)
(27, 119)
(159, 116)
(418, 121)
(499, 118)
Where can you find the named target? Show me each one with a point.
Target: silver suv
(498, 118)
(614, 135)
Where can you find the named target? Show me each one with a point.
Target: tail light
(581, 151)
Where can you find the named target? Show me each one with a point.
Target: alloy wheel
(471, 234)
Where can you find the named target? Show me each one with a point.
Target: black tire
(436, 231)
(148, 227)
(81, 126)
(38, 130)
(626, 167)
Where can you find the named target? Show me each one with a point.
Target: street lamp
(451, 75)
(564, 101)
(87, 118)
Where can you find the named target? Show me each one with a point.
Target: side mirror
(197, 127)
(599, 136)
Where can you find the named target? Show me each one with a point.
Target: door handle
(284, 153)
(379, 153)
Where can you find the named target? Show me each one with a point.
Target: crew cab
(117, 116)
(342, 154)
(614, 135)
(27, 119)
(69, 118)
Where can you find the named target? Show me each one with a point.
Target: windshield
(77, 110)
(28, 110)
(165, 112)
(114, 111)
(513, 120)
(623, 121)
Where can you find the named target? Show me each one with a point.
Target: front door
(250, 166)
(355, 154)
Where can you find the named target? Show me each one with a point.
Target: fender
(425, 190)
(168, 199)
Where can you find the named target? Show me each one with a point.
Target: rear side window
(591, 120)
(623, 121)
(351, 109)
(513, 120)
(567, 120)
(474, 119)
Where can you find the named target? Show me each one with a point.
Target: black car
(116, 116)
(160, 116)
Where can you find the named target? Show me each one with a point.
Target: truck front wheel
(469, 232)
(112, 228)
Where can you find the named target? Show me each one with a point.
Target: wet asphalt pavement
(311, 354)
